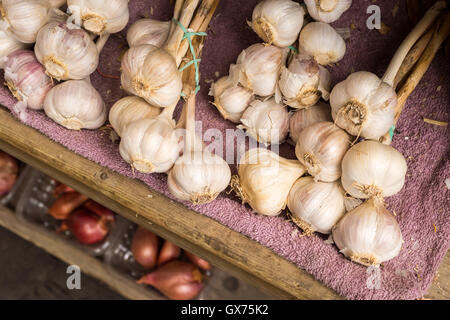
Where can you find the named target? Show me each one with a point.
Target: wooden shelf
(224, 248)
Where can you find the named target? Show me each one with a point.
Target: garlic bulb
(327, 11)
(320, 148)
(56, 3)
(8, 44)
(99, 16)
(66, 52)
(265, 180)
(316, 206)
(324, 83)
(148, 31)
(371, 168)
(299, 83)
(152, 74)
(24, 18)
(266, 121)
(76, 105)
(150, 145)
(303, 118)
(363, 105)
(260, 67)
(26, 79)
(278, 22)
(321, 41)
(128, 110)
(369, 234)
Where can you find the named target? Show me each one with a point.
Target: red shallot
(199, 262)
(66, 204)
(8, 172)
(88, 227)
(168, 252)
(145, 247)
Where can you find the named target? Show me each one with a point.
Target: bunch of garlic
(303, 118)
(320, 148)
(76, 105)
(266, 121)
(278, 22)
(99, 16)
(265, 179)
(327, 11)
(316, 206)
(321, 41)
(369, 234)
(128, 110)
(26, 79)
(148, 31)
(8, 44)
(66, 52)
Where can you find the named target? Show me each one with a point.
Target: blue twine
(293, 49)
(391, 132)
(188, 35)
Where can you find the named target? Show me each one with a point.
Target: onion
(199, 262)
(8, 172)
(178, 280)
(88, 227)
(66, 204)
(169, 252)
(99, 210)
(145, 247)
(60, 189)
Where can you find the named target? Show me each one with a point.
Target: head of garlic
(66, 52)
(56, 3)
(8, 44)
(24, 18)
(148, 31)
(327, 11)
(265, 179)
(303, 118)
(320, 148)
(324, 83)
(373, 169)
(266, 121)
(321, 41)
(99, 16)
(300, 82)
(259, 67)
(26, 79)
(76, 105)
(278, 22)
(363, 105)
(150, 145)
(369, 234)
(128, 110)
(151, 73)
(316, 206)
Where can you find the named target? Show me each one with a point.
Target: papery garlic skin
(148, 31)
(321, 41)
(327, 11)
(371, 168)
(320, 148)
(369, 234)
(260, 67)
(316, 206)
(76, 105)
(128, 110)
(150, 145)
(8, 44)
(56, 3)
(299, 83)
(303, 118)
(199, 177)
(230, 99)
(265, 180)
(152, 74)
(26, 78)
(266, 121)
(364, 105)
(278, 22)
(24, 18)
(100, 16)
(66, 52)
(324, 83)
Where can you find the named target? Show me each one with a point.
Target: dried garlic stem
(411, 39)
(102, 41)
(176, 15)
(421, 67)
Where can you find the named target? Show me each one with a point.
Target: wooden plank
(224, 248)
(74, 256)
(440, 289)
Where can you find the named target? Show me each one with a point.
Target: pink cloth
(421, 206)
